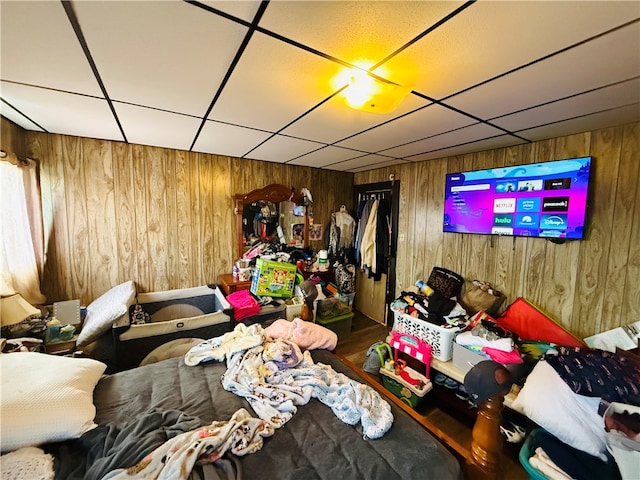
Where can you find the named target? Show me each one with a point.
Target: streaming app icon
(528, 205)
(527, 220)
(553, 221)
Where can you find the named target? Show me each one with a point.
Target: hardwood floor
(444, 415)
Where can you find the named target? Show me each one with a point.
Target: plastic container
(330, 308)
(412, 395)
(440, 338)
(341, 325)
(527, 450)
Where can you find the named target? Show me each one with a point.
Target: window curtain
(21, 230)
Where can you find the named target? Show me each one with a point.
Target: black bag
(447, 283)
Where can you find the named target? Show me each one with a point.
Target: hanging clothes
(383, 238)
(364, 209)
(368, 242)
(340, 239)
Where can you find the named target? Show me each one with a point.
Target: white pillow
(549, 401)
(45, 398)
(105, 310)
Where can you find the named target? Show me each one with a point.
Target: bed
(138, 408)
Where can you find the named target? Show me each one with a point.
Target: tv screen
(536, 200)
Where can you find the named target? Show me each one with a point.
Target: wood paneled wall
(588, 286)
(163, 218)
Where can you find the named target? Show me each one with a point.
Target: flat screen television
(536, 200)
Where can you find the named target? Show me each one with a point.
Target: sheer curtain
(21, 231)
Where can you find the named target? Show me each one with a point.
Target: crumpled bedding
(276, 377)
(313, 445)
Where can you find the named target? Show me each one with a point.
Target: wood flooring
(444, 415)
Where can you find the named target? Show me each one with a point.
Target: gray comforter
(139, 409)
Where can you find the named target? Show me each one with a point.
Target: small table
(230, 284)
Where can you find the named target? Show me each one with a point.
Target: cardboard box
(273, 279)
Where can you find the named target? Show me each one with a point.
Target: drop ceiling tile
(424, 123)
(612, 118)
(491, 38)
(64, 113)
(224, 139)
(356, 30)
(147, 126)
(38, 47)
(367, 162)
(390, 163)
(614, 96)
(564, 75)
(10, 113)
(325, 156)
(273, 84)
(460, 136)
(479, 146)
(244, 10)
(280, 149)
(334, 120)
(169, 55)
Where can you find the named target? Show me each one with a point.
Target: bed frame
(483, 460)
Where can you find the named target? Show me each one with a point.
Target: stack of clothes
(490, 340)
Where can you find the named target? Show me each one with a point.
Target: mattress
(314, 444)
(198, 312)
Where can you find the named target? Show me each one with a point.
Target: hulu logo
(503, 220)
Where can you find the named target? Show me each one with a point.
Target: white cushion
(105, 310)
(549, 401)
(45, 398)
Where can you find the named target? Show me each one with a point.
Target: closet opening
(375, 250)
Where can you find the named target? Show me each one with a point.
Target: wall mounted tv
(536, 200)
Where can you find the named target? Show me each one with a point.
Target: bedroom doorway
(375, 287)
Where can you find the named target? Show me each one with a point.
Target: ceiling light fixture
(372, 94)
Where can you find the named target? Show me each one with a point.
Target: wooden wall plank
(207, 254)
(630, 304)
(183, 266)
(172, 240)
(157, 228)
(223, 218)
(143, 279)
(96, 171)
(617, 274)
(124, 210)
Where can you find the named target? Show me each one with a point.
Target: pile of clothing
(490, 340)
(434, 308)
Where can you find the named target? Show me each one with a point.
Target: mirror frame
(274, 193)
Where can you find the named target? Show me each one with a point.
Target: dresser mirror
(274, 212)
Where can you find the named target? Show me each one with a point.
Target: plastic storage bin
(464, 358)
(527, 450)
(440, 338)
(341, 325)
